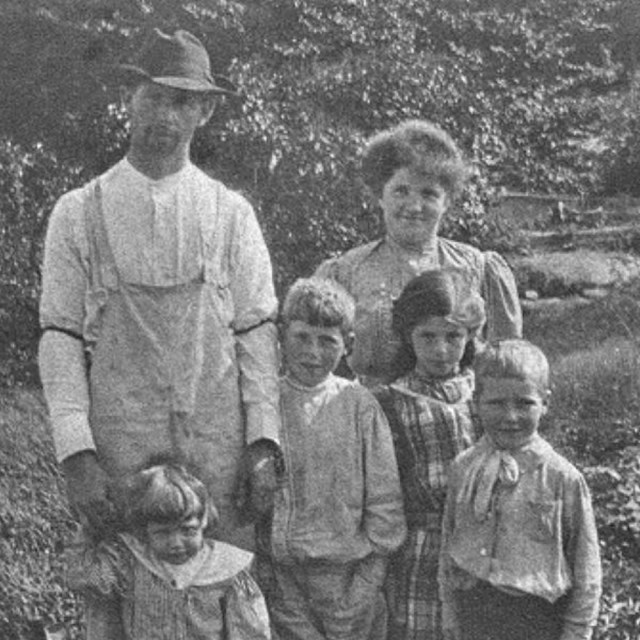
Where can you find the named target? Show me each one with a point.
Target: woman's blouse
(211, 597)
(375, 274)
(431, 423)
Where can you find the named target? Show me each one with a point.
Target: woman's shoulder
(453, 250)
(348, 261)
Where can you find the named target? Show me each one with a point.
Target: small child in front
(339, 512)
(169, 581)
(520, 554)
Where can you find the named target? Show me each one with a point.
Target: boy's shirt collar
(302, 387)
(530, 453)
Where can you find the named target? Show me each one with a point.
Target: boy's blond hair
(321, 303)
(515, 358)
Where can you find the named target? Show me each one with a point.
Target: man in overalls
(158, 305)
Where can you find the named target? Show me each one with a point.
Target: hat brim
(128, 74)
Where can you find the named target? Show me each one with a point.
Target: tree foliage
(524, 86)
(540, 94)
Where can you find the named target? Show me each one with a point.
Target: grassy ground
(594, 419)
(34, 522)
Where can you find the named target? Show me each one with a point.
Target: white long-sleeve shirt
(154, 228)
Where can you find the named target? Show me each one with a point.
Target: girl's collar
(456, 388)
(216, 563)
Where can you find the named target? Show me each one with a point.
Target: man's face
(163, 119)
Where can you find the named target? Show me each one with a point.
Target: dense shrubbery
(526, 89)
(595, 420)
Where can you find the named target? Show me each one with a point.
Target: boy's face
(438, 346)
(510, 410)
(311, 353)
(176, 543)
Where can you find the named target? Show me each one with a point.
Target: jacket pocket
(541, 517)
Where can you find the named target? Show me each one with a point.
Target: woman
(415, 171)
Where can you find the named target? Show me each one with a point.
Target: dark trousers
(486, 613)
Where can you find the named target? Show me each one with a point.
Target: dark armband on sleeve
(68, 332)
(240, 332)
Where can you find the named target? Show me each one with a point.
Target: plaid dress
(431, 423)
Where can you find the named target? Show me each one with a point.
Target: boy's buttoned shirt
(538, 536)
(340, 498)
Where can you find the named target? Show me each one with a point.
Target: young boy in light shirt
(339, 511)
(520, 555)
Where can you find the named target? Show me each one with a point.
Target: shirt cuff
(263, 422)
(449, 615)
(574, 631)
(71, 434)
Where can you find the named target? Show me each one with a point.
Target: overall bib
(163, 374)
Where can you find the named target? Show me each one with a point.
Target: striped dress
(431, 423)
(211, 597)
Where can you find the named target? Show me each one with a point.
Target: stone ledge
(570, 273)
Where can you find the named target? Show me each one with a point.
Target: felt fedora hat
(176, 60)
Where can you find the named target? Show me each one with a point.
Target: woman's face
(412, 205)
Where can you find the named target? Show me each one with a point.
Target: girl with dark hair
(436, 319)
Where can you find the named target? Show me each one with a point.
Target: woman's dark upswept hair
(440, 293)
(418, 144)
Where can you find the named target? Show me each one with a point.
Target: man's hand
(88, 494)
(262, 469)
(452, 633)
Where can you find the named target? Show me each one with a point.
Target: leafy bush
(595, 420)
(619, 159)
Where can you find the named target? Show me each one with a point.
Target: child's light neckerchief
(487, 470)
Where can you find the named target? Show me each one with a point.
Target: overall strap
(104, 272)
(209, 226)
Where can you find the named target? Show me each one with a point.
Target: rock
(568, 304)
(564, 273)
(597, 293)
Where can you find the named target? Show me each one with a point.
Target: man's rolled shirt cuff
(71, 434)
(263, 422)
